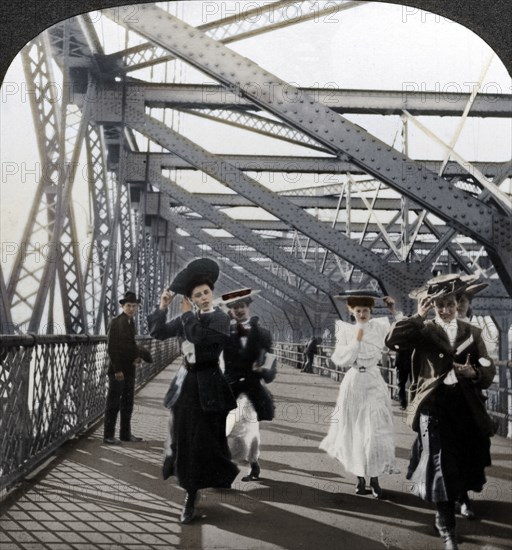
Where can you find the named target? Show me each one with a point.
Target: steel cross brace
(391, 276)
(241, 277)
(240, 231)
(252, 267)
(313, 165)
(467, 214)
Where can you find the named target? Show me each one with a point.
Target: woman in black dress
(199, 397)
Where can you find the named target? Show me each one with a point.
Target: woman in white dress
(361, 435)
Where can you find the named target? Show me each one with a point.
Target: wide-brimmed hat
(473, 289)
(360, 297)
(129, 298)
(359, 293)
(196, 272)
(443, 285)
(241, 295)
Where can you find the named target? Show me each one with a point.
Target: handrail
(499, 395)
(53, 387)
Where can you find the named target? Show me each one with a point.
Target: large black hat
(450, 283)
(129, 298)
(200, 271)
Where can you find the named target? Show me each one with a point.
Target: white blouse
(366, 353)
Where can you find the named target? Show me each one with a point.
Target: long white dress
(361, 434)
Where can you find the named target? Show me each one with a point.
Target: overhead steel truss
(490, 226)
(316, 246)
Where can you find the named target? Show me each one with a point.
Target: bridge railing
(499, 395)
(54, 387)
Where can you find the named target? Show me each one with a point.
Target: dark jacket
(208, 333)
(121, 346)
(432, 360)
(239, 362)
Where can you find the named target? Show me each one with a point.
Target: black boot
(466, 506)
(376, 490)
(254, 474)
(361, 486)
(445, 524)
(168, 467)
(188, 512)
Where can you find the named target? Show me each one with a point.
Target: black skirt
(199, 444)
(450, 454)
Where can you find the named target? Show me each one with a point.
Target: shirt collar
(452, 323)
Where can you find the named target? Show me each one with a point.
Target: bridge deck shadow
(97, 496)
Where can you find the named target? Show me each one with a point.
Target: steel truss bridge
(369, 214)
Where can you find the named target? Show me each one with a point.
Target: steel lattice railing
(52, 388)
(499, 395)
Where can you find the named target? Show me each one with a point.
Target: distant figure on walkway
(450, 367)
(124, 357)
(199, 397)
(310, 352)
(249, 366)
(361, 436)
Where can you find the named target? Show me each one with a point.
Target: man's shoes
(375, 487)
(254, 474)
(132, 439)
(188, 512)
(111, 441)
(361, 486)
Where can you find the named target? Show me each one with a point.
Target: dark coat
(121, 346)
(239, 362)
(208, 333)
(433, 359)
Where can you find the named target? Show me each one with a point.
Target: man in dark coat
(450, 368)
(124, 356)
(244, 357)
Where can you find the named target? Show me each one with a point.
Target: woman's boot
(375, 487)
(361, 486)
(188, 512)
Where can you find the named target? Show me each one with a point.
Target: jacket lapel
(438, 336)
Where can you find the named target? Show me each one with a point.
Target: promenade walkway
(95, 496)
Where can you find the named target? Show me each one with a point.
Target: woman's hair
(198, 281)
(361, 301)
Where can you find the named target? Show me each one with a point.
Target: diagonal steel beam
(242, 278)
(252, 267)
(467, 214)
(389, 274)
(195, 203)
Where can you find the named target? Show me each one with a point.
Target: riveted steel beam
(252, 267)
(241, 278)
(313, 165)
(390, 275)
(246, 235)
(374, 102)
(249, 22)
(467, 214)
